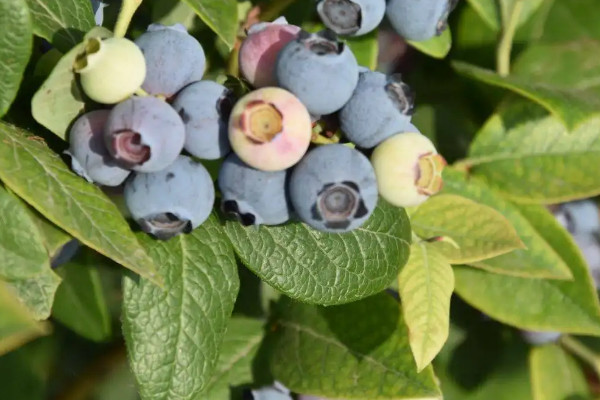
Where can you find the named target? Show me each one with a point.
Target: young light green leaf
(425, 285)
(521, 137)
(53, 237)
(59, 100)
(37, 292)
(17, 325)
(234, 367)
(524, 303)
(474, 231)
(437, 46)
(572, 107)
(354, 351)
(366, 49)
(324, 268)
(169, 12)
(220, 15)
(79, 303)
(61, 22)
(555, 375)
(490, 10)
(22, 253)
(15, 49)
(174, 336)
(537, 260)
(39, 176)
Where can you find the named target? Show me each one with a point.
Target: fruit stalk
(128, 8)
(510, 24)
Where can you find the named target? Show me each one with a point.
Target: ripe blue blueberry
(319, 70)
(172, 201)
(540, 337)
(144, 134)
(89, 157)
(174, 59)
(333, 188)
(274, 392)
(380, 107)
(351, 17)
(581, 217)
(255, 197)
(419, 20)
(204, 108)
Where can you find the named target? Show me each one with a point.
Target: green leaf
(53, 237)
(169, 12)
(490, 10)
(38, 175)
(15, 49)
(220, 15)
(17, 326)
(538, 260)
(37, 292)
(572, 106)
(354, 351)
(22, 251)
(425, 285)
(61, 22)
(60, 100)
(528, 156)
(526, 303)
(437, 46)
(469, 231)
(325, 268)
(174, 336)
(571, 20)
(555, 375)
(234, 367)
(79, 303)
(366, 49)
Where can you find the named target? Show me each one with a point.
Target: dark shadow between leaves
(67, 38)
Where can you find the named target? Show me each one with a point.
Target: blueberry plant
(299, 199)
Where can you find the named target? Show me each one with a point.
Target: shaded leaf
(38, 175)
(174, 336)
(61, 22)
(437, 46)
(220, 15)
(537, 304)
(474, 231)
(425, 285)
(490, 11)
(326, 268)
(555, 375)
(15, 49)
(538, 259)
(365, 49)
(336, 352)
(37, 292)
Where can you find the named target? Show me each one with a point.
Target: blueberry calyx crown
(429, 174)
(401, 94)
(343, 16)
(261, 122)
(166, 225)
(321, 43)
(84, 60)
(338, 204)
(231, 207)
(128, 147)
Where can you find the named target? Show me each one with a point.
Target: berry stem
(586, 354)
(510, 23)
(128, 8)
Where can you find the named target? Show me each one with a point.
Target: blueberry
(540, 337)
(319, 70)
(408, 168)
(205, 107)
(172, 201)
(419, 20)
(89, 157)
(144, 134)
(274, 392)
(258, 53)
(333, 188)
(582, 217)
(98, 9)
(351, 17)
(174, 59)
(110, 70)
(270, 129)
(255, 197)
(379, 108)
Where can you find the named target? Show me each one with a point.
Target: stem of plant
(128, 8)
(510, 23)
(580, 350)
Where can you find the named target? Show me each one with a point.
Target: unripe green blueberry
(408, 169)
(110, 70)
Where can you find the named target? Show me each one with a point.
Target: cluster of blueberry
(162, 107)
